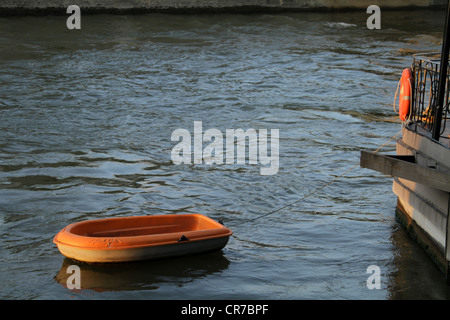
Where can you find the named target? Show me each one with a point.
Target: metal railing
(426, 69)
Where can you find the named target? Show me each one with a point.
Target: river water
(86, 123)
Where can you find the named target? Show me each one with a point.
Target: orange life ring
(405, 94)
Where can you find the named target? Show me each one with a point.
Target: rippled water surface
(85, 132)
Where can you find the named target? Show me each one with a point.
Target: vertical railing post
(442, 78)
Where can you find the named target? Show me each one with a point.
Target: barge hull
(421, 172)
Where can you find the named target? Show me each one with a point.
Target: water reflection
(414, 275)
(145, 275)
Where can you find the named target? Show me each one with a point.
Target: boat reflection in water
(143, 275)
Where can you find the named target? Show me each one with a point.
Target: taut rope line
(318, 189)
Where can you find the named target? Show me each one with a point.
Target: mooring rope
(318, 189)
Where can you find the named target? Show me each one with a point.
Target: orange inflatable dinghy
(141, 237)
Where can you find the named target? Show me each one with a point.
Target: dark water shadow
(144, 275)
(414, 275)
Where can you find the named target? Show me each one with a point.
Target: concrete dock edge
(42, 7)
